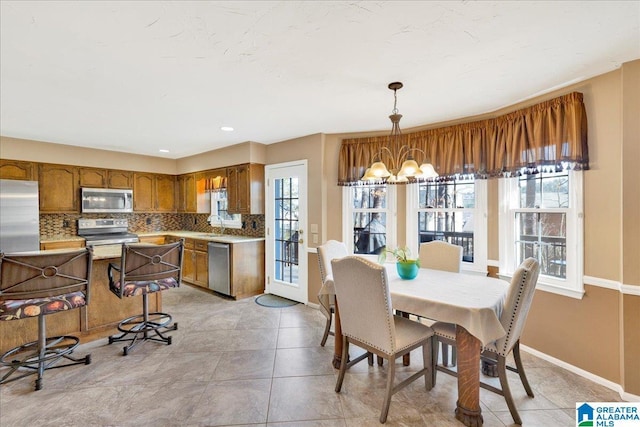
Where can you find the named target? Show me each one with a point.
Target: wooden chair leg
(343, 364)
(427, 360)
(445, 354)
(327, 329)
(520, 366)
(387, 399)
(435, 347)
(506, 391)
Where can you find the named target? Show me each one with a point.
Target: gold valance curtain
(552, 134)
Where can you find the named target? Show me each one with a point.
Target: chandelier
(402, 164)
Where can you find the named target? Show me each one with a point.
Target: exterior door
(286, 221)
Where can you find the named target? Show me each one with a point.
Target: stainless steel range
(97, 232)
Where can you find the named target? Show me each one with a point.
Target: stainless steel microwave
(106, 200)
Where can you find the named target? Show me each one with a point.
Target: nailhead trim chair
(444, 256)
(513, 318)
(332, 249)
(367, 320)
(145, 269)
(36, 285)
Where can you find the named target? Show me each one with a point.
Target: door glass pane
(286, 229)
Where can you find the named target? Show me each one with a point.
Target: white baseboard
(585, 374)
(314, 305)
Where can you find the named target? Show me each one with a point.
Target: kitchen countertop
(212, 237)
(226, 238)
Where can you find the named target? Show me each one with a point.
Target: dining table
(472, 302)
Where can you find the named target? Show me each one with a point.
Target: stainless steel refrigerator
(19, 216)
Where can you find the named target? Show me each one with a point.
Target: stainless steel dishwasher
(219, 268)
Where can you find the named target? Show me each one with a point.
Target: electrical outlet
(65, 223)
(314, 238)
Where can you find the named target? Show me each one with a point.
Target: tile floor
(235, 363)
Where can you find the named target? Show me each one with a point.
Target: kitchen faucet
(210, 220)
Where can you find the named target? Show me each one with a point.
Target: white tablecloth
(471, 301)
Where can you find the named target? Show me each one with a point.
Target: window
(453, 211)
(541, 217)
(371, 209)
(220, 217)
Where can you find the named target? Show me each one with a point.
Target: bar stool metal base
(144, 327)
(37, 356)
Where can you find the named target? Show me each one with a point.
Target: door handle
(300, 241)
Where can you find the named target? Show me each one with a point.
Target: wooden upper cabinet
(245, 189)
(165, 189)
(143, 199)
(15, 169)
(119, 179)
(91, 177)
(153, 192)
(186, 193)
(58, 188)
(105, 178)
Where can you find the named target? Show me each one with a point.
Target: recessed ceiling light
(227, 128)
(162, 150)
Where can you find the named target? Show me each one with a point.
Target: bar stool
(145, 269)
(36, 285)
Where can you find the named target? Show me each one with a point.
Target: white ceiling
(142, 76)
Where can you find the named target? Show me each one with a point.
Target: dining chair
(34, 286)
(513, 318)
(367, 320)
(444, 256)
(331, 249)
(143, 270)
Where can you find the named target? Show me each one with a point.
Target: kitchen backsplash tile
(55, 226)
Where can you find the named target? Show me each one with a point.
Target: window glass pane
(370, 197)
(369, 232)
(542, 236)
(447, 195)
(446, 212)
(544, 190)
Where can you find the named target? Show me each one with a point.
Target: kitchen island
(99, 318)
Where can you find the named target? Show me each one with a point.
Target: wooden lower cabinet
(246, 266)
(246, 262)
(195, 263)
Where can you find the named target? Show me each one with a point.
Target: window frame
(214, 214)
(480, 236)
(348, 210)
(509, 204)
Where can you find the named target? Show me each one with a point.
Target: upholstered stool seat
(34, 286)
(145, 269)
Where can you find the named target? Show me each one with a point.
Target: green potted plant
(406, 265)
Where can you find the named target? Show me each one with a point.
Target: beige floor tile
(232, 402)
(245, 364)
(304, 399)
(297, 362)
